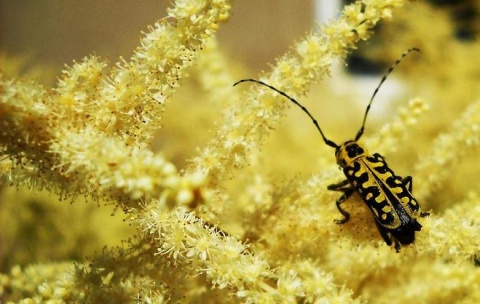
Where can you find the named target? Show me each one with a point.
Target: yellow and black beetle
(387, 195)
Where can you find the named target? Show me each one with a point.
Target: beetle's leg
(347, 190)
(346, 216)
(338, 186)
(424, 214)
(407, 182)
(386, 237)
(397, 245)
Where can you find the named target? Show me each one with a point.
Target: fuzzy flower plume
(293, 73)
(224, 216)
(448, 149)
(388, 138)
(89, 135)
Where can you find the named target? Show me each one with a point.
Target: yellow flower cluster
(90, 135)
(448, 149)
(251, 120)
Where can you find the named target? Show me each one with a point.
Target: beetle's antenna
(326, 140)
(360, 132)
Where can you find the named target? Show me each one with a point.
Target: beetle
(387, 195)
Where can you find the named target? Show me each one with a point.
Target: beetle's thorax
(348, 152)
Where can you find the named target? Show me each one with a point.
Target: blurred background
(55, 32)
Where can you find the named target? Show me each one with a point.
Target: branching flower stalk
(243, 133)
(89, 135)
(447, 150)
(252, 119)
